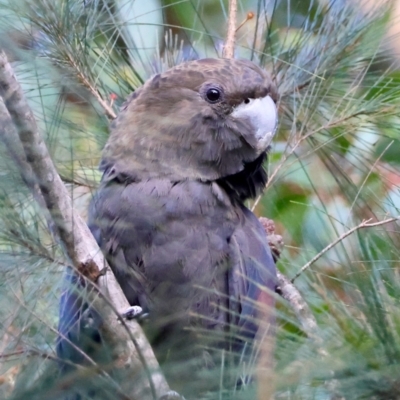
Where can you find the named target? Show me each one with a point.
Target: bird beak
(263, 116)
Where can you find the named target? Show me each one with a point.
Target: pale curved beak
(263, 115)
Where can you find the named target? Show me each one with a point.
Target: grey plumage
(169, 214)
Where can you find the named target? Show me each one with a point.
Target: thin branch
(249, 16)
(84, 355)
(28, 353)
(285, 288)
(291, 294)
(364, 224)
(76, 238)
(288, 292)
(38, 353)
(229, 47)
(368, 175)
(285, 157)
(106, 107)
(78, 182)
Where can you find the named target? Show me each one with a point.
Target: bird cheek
(247, 132)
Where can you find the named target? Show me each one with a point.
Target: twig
(364, 224)
(303, 313)
(285, 288)
(368, 175)
(76, 238)
(289, 292)
(229, 47)
(78, 182)
(106, 107)
(249, 16)
(28, 353)
(37, 353)
(286, 156)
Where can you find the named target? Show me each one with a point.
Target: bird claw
(171, 395)
(88, 320)
(133, 312)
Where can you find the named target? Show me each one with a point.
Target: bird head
(203, 119)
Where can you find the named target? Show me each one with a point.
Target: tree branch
(364, 224)
(81, 76)
(285, 288)
(303, 313)
(21, 136)
(229, 46)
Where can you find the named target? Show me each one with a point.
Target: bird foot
(133, 312)
(171, 395)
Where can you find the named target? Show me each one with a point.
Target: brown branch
(303, 313)
(296, 302)
(249, 16)
(36, 353)
(28, 353)
(364, 224)
(229, 46)
(106, 107)
(30, 153)
(285, 288)
(8, 134)
(78, 182)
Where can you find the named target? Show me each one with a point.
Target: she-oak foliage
(333, 163)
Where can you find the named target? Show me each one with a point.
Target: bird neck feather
(249, 182)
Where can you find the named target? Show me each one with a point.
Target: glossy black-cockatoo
(185, 152)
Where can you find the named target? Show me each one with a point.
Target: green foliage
(334, 163)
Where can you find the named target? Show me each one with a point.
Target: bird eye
(213, 95)
(246, 101)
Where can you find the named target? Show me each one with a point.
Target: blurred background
(334, 163)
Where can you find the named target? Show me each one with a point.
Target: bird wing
(252, 278)
(184, 247)
(78, 323)
(164, 240)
